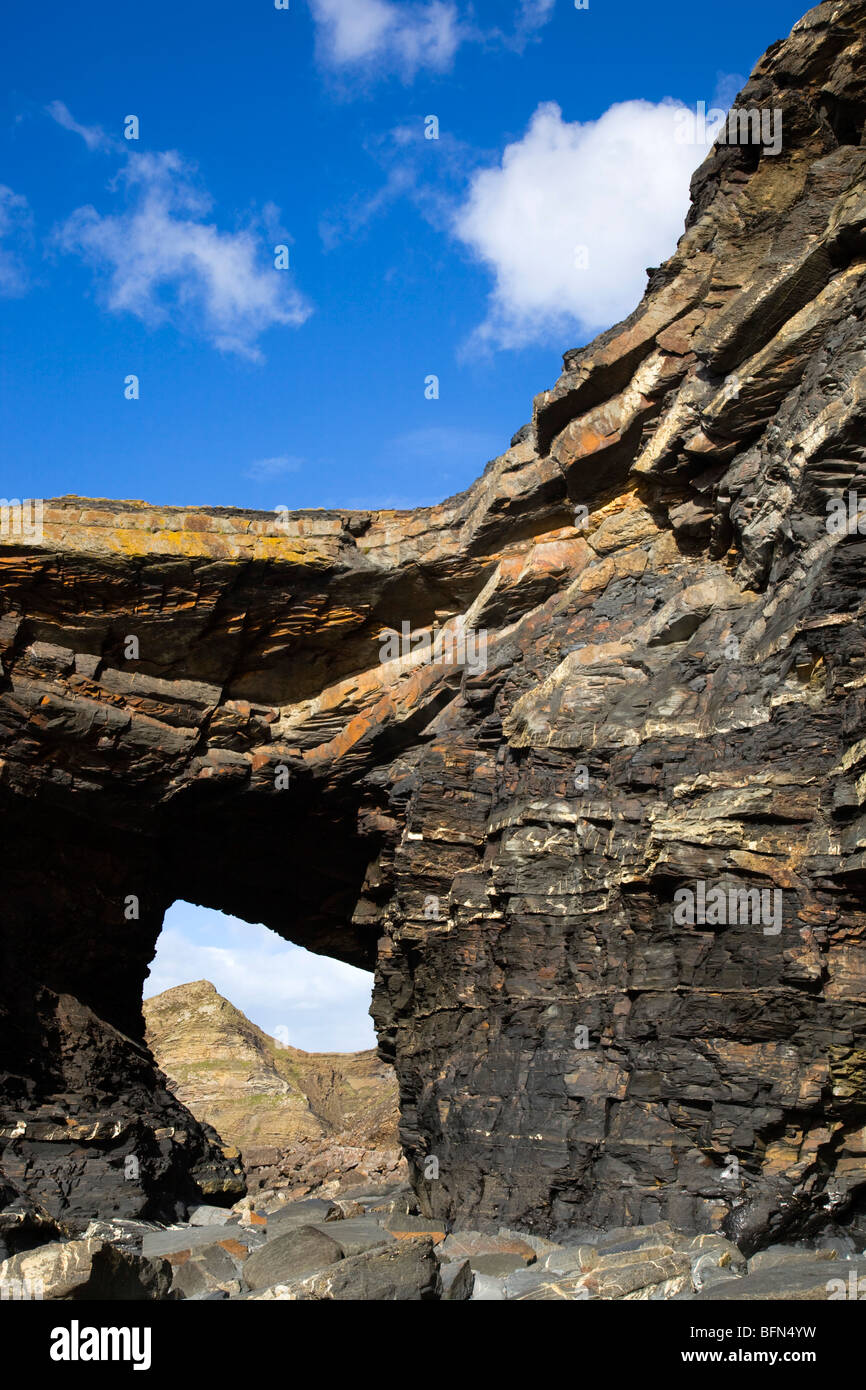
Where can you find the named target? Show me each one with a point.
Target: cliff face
(302, 1120)
(671, 702)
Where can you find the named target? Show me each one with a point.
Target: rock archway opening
(296, 997)
(273, 1046)
(87, 890)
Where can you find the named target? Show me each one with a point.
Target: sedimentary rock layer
(670, 701)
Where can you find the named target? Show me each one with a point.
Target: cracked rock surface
(672, 693)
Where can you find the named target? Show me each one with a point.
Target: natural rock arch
(673, 695)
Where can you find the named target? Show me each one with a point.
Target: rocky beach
(609, 873)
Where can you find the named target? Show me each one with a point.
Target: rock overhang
(671, 696)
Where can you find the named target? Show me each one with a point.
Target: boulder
(209, 1270)
(357, 1234)
(457, 1280)
(204, 1215)
(309, 1212)
(499, 1266)
(807, 1280)
(86, 1269)
(473, 1245)
(292, 1256)
(23, 1226)
(405, 1272)
(176, 1243)
(126, 1234)
(407, 1227)
(569, 1288)
(488, 1289)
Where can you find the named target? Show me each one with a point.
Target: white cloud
(397, 37)
(15, 223)
(617, 186)
(277, 467)
(159, 260)
(535, 13)
(323, 1003)
(728, 87)
(381, 37)
(93, 136)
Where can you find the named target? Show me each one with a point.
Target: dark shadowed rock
(405, 1227)
(357, 1234)
(24, 1226)
(305, 1213)
(457, 1280)
(291, 1256)
(405, 1272)
(499, 1266)
(211, 1270)
(818, 1280)
(663, 696)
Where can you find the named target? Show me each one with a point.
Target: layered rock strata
(669, 701)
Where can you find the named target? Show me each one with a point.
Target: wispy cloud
(397, 38)
(159, 260)
(15, 223)
(728, 87)
(549, 221)
(432, 174)
(535, 13)
(264, 469)
(323, 1003)
(93, 136)
(381, 38)
(531, 18)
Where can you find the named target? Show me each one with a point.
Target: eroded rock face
(671, 701)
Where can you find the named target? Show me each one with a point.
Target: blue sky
(311, 1002)
(305, 127)
(478, 257)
